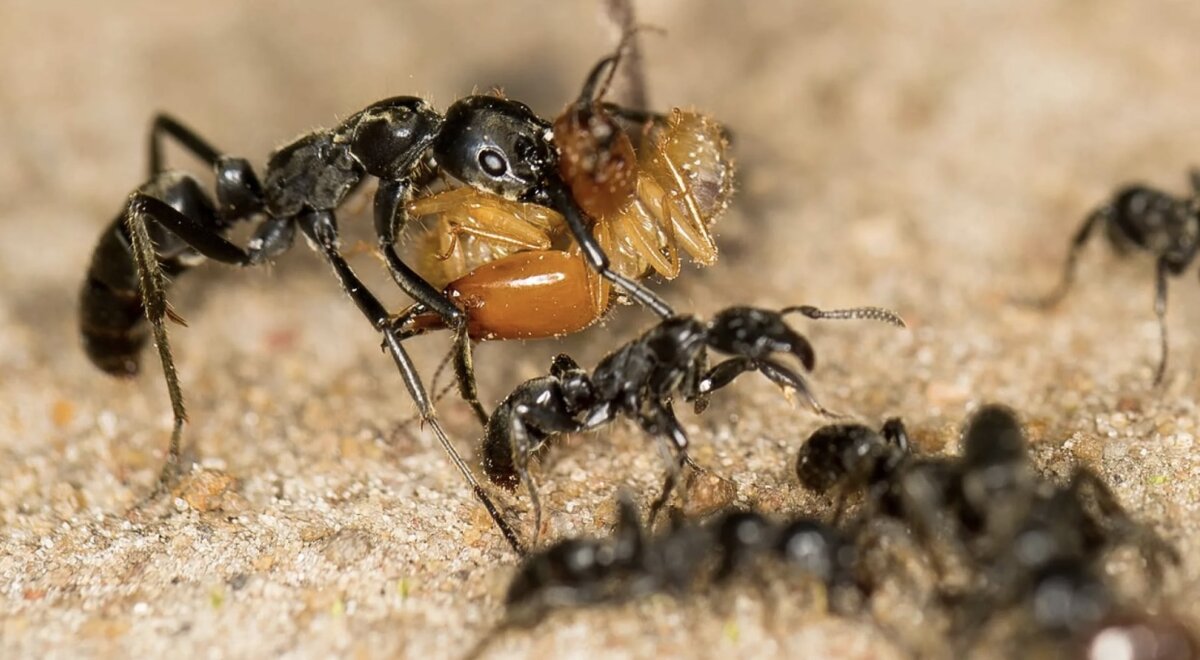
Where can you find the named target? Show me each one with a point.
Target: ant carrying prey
(170, 224)
(1141, 218)
(641, 379)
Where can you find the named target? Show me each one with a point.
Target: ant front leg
(1098, 217)
(390, 219)
(660, 421)
(560, 200)
(203, 234)
(787, 379)
(321, 228)
(462, 355)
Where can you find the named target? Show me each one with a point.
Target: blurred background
(934, 157)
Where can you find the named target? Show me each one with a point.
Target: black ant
(170, 223)
(1140, 218)
(641, 379)
(1026, 540)
(632, 562)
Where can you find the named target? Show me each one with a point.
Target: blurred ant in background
(1141, 218)
(1030, 545)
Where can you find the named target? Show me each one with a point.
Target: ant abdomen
(112, 321)
(110, 307)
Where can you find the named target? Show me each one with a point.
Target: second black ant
(641, 379)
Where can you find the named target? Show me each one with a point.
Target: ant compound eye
(492, 163)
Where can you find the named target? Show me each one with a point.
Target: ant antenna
(594, 88)
(851, 313)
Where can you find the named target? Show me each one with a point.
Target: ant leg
(660, 421)
(785, 378)
(464, 373)
(521, 450)
(1160, 310)
(1194, 177)
(561, 201)
(151, 281)
(896, 434)
(321, 229)
(723, 374)
(201, 234)
(1113, 515)
(203, 237)
(390, 218)
(1098, 217)
(166, 125)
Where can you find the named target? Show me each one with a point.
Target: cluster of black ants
(534, 229)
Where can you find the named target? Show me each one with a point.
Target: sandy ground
(932, 156)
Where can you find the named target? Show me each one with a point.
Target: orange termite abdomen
(526, 295)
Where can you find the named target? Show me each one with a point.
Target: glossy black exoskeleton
(169, 224)
(641, 380)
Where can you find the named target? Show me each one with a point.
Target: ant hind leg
(152, 283)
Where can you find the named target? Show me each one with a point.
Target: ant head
(993, 437)
(838, 452)
(756, 334)
(497, 145)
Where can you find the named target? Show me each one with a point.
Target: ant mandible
(170, 223)
(1141, 218)
(640, 380)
